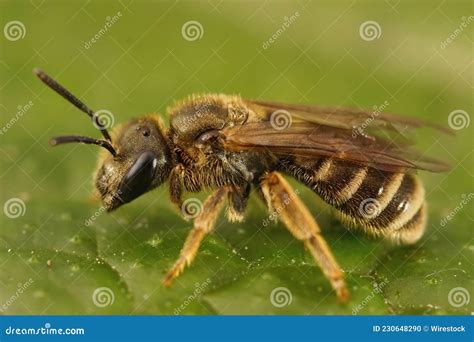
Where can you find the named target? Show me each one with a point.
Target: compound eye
(139, 177)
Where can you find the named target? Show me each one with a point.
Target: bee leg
(284, 201)
(203, 224)
(176, 184)
(238, 199)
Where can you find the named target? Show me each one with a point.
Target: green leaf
(64, 255)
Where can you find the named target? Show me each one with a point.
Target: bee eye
(139, 177)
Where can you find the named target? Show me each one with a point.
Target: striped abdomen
(382, 203)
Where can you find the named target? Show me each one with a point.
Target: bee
(231, 145)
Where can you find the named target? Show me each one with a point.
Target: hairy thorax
(194, 132)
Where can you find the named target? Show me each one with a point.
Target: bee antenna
(85, 140)
(72, 99)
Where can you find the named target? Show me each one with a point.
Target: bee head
(141, 163)
(135, 160)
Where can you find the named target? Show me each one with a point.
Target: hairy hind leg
(282, 200)
(203, 224)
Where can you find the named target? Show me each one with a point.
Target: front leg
(176, 185)
(282, 200)
(204, 223)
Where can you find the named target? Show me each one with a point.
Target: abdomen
(382, 203)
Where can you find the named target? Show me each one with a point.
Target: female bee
(230, 145)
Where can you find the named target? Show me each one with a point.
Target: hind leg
(282, 200)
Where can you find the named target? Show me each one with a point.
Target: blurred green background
(53, 262)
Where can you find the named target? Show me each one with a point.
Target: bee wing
(328, 134)
(341, 117)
